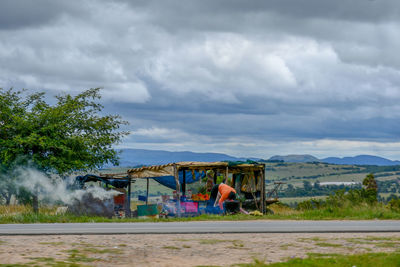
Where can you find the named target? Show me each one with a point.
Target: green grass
(325, 244)
(348, 213)
(43, 259)
(52, 243)
(212, 241)
(388, 245)
(334, 260)
(385, 242)
(95, 250)
(286, 246)
(77, 257)
(237, 244)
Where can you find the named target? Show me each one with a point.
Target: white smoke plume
(56, 190)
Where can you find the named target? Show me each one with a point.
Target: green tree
(69, 135)
(371, 188)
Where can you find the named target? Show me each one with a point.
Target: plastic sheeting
(118, 183)
(169, 181)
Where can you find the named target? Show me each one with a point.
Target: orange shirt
(224, 190)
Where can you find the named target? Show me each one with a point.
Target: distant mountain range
(294, 158)
(362, 160)
(135, 157)
(357, 160)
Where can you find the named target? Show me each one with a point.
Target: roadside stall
(192, 180)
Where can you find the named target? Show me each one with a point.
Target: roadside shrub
(341, 199)
(394, 204)
(337, 199)
(310, 204)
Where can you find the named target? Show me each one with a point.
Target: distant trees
(307, 185)
(311, 190)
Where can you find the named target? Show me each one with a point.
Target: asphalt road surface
(203, 227)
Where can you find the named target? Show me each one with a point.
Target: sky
(243, 77)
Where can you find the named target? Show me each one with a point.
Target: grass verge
(281, 212)
(326, 260)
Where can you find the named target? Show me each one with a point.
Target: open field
(186, 249)
(298, 172)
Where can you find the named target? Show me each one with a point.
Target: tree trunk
(35, 203)
(8, 199)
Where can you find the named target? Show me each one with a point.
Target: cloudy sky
(243, 77)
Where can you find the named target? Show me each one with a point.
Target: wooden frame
(225, 168)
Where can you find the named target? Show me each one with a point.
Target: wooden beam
(147, 192)
(178, 191)
(262, 197)
(128, 201)
(184, 182)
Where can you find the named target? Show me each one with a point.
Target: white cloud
(217, 77)
(128, 92)
(167, 135)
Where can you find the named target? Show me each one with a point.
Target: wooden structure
(253, 171)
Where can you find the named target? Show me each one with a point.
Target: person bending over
(225, 192)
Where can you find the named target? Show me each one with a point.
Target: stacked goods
(200, 197)
(148, 211)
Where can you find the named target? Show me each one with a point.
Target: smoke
(55, 189)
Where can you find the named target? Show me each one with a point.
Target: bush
(341, 199)
(394, 204)
(310, 204)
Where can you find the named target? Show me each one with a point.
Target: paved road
(202, 227)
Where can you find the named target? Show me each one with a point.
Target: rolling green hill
(296, 173)
(299, 174)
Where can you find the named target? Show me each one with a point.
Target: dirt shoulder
(186, 249)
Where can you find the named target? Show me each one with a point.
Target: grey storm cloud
(221, 76)
(30, 14)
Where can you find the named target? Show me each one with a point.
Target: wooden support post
(226, 175)
(35, 203)
(184, 182)
(128, 200)
(262, 197)
(35, 200)
(147, 192)
(178, 191)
